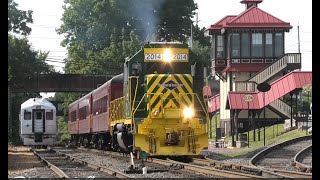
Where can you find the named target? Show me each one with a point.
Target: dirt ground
(22, 162)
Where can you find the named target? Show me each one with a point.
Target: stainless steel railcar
(38, 124)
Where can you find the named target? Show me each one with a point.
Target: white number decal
(180, 57)
(176, 57)
(152, 57)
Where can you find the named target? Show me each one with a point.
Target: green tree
(63, 134)
(198, 35)
(92, 36)
(202, 52)
(23, 62)
(175, 19)
(18, 19)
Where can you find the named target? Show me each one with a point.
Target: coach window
(27, 115)
(49, 115)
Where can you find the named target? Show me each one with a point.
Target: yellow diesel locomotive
(162, 111)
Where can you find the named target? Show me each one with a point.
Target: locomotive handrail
(115, 108)
(144, 95)
(135, 92)
(133, 112)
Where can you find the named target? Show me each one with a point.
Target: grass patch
(213, 126)
(272, 136)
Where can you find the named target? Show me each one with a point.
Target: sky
(47, 15)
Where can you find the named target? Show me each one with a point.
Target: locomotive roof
(37, 102)
(117, 78)
(165, 45)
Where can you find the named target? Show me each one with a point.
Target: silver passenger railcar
(38, 124)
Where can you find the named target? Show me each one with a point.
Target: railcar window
(83, 112)
(100, 105)
(38, 115)
(27, 115)
(73, 116)
(49, 115)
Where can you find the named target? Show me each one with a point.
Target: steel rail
(284, 173)
(246, 168)
(204, 170)
(54, 168)
(112, 172)
(300, 166)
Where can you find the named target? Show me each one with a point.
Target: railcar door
(38, 121)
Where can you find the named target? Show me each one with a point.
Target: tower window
(220, 47)
(235, 46)
(256, 43)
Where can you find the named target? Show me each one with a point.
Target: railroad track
(121, 162)
(279, 157)
(68, 167)
(303, 160)
(183, 168)
(205, 169)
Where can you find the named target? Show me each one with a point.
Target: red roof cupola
(250, 3)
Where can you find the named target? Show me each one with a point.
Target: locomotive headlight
(188, 112)
(167, 56)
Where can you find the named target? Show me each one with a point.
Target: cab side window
(27, 115)
(49, 115)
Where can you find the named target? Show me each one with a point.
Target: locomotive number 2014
(160, 57)
(180, 57)
(152, 56)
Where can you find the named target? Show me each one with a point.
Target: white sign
(248, 98)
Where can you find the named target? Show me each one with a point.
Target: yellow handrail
(135, 92)
(116, 109)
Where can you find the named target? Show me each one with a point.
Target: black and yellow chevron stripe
(169, 85)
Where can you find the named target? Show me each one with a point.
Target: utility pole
(198, 21)
(191, 28)
(298, 39)
(191, 40)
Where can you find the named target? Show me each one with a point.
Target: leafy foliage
(175, 19)
(18, 19)
(202, 52)
(93, 39)
(63, 134)
(23, 61)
